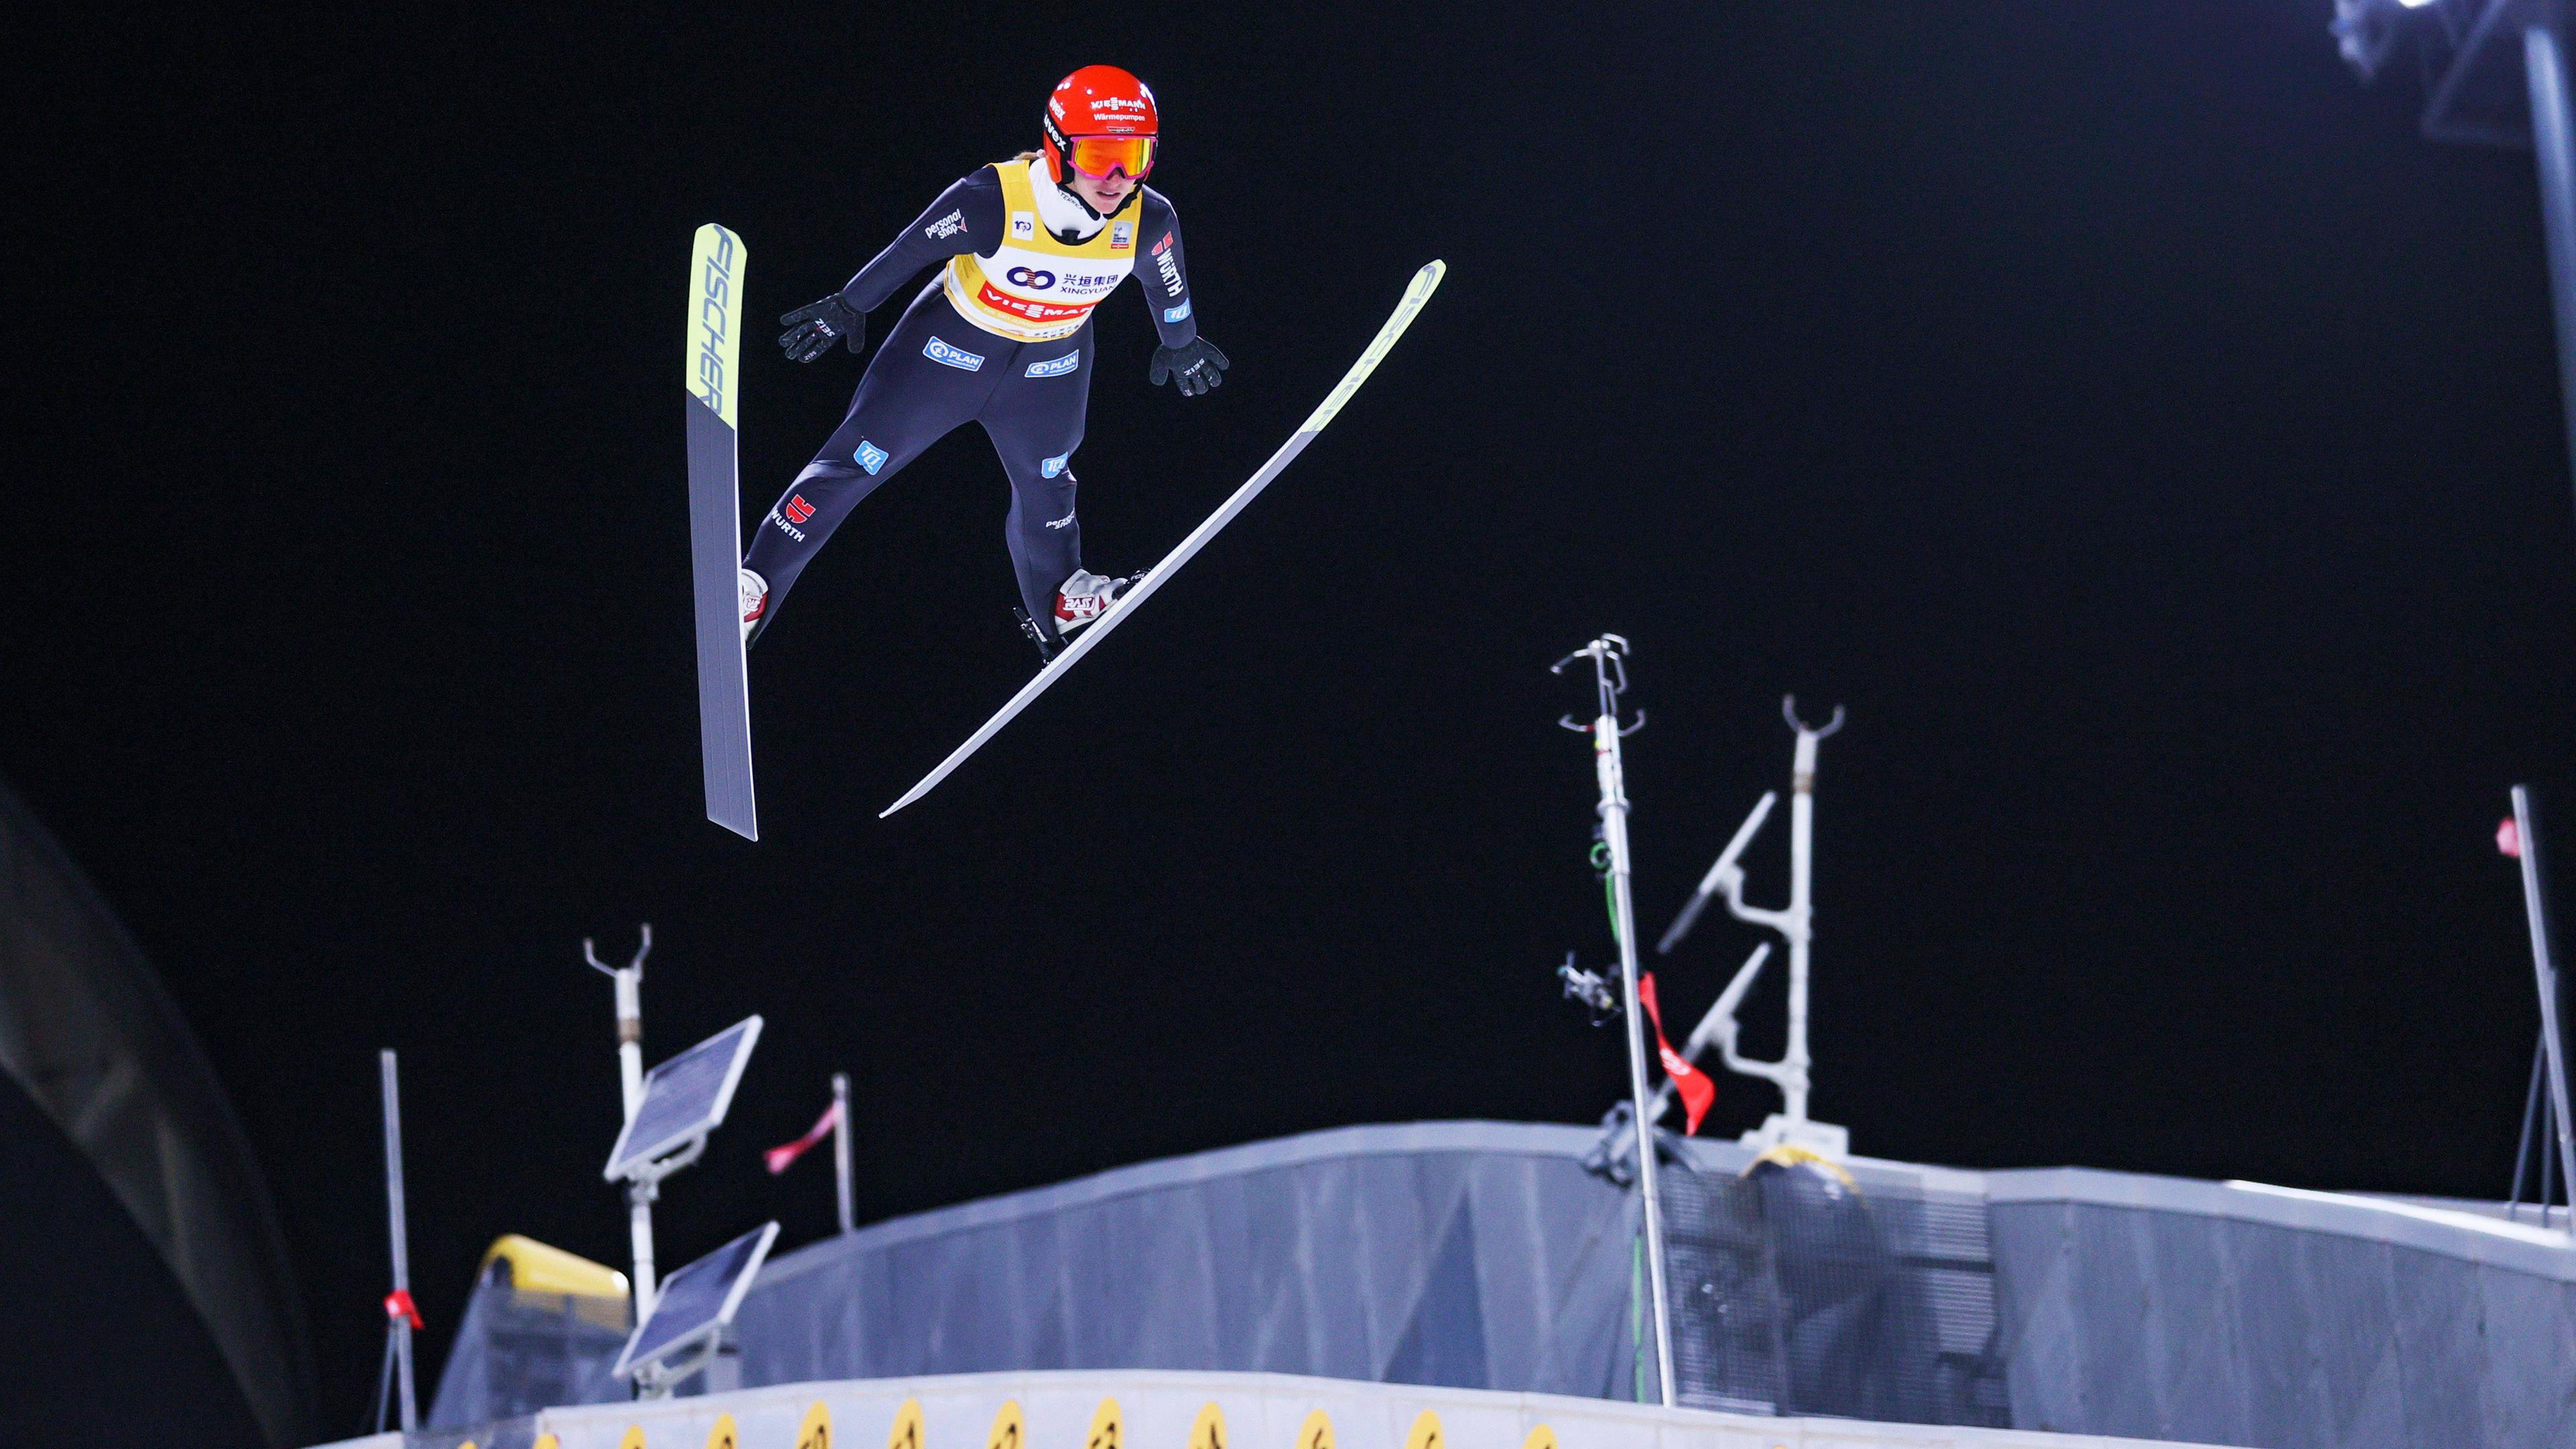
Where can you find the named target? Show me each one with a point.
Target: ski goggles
(1098, 156)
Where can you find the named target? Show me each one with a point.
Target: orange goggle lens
(1097, 156)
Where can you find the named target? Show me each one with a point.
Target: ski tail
(1416, 293)
(715, 527)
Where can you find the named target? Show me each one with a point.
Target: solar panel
(685, 1097)
(697, 1301)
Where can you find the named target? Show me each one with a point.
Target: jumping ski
(1418, 292)
(715, 529)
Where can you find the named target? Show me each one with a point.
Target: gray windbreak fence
(1470, 1255)
(2235, 1314)
(1482, 1256)
(1460, 1255)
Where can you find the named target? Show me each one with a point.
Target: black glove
(812, 330)
(1198, 365)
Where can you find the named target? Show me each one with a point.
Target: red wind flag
(781, 1156)
(1698, 1092)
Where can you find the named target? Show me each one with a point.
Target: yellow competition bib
(1034, 288)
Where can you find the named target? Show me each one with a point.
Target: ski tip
(899, 804)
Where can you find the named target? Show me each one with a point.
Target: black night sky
(2150, 438)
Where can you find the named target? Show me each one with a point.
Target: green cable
(1609, 888)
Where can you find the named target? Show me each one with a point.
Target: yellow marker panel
(1008, 1430)
(1316, 1432)
(1108, 1429)
(633, 1438)
(816, 1430)
(906, 1431)
(722, 1436)
(1426, 1433)
(1207, 1431)
(1541, 1437)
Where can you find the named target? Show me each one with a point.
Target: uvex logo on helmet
(1097, 100)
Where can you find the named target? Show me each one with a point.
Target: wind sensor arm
(1726, 875)
(1720, 1024)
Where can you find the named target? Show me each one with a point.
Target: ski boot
(1087, 596)
(1081, 599)
(755, 605)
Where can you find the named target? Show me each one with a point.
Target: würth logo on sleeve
(798, 510)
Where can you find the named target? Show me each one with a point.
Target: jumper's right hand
(811, 330)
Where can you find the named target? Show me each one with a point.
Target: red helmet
(1104, 103)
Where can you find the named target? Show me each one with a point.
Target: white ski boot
(1085, 597)
(1081, 599)
(755, 603)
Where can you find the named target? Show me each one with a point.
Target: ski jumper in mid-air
(1027, 247)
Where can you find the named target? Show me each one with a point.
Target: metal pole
(1607, 654)
(841, 1143)
(1614, 829)
(630, 1037)
(1802, 858)
(2546, 1190)
(2553, 146)
(398, 1324)
(630, 1081)
(2522, 1144)
(629, 982)
(2552, 1038)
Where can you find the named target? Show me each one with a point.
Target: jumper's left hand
(1198, 366)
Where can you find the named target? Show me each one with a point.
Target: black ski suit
(937, 371)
